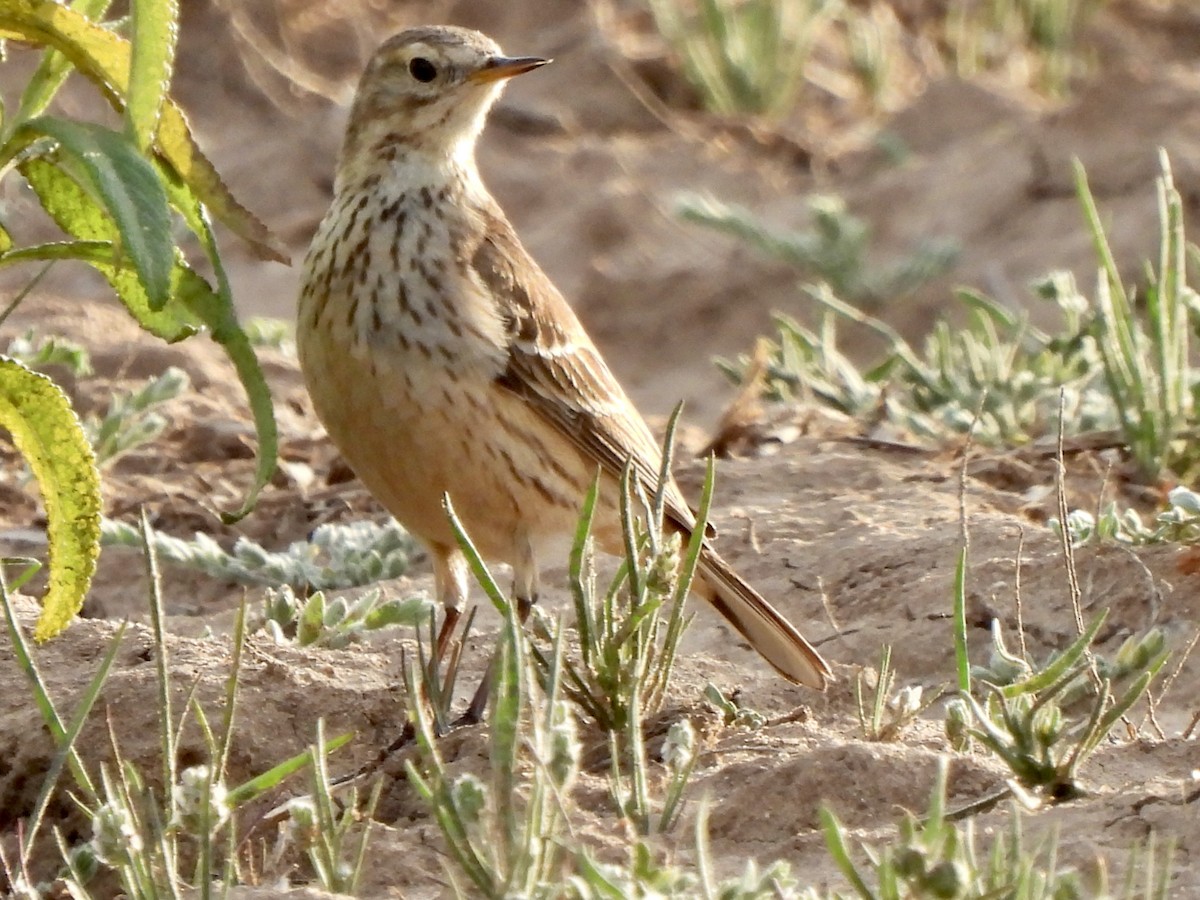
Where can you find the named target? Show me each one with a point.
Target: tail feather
(773, 636)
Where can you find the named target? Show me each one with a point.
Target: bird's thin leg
(525, 591)
(450, 621)
(451, 579)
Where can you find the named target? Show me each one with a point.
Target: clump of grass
(336, 555)
(133, 418)
(1178, 523)
(629, 632)
(743, 57)
(1045, 720)
(1000, 376)
(888, 714)
(334, 622)
(874, 47)
(510, 833)
(834, 250)
(628, 635)
(756, 57)
(507, 835)
(1035, 41)
(142, 833)
(1147, 367)
(324, 827)
(934, 857)
(995, 373)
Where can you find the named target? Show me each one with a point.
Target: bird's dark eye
(422, 70)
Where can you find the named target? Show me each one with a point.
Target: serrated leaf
(76, 213)
(104, 58)
(335, 612)
(155, 30)
(49, 437)
(193, 301)
(112, 169)
(189, 179)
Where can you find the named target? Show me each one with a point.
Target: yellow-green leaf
(76, 213)
(52, 70)
(193, 299)
(48, 436)
(104, 58)
(116, 173)
(155, 31)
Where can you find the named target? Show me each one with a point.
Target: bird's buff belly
(413, 436)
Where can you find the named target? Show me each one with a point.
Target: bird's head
(427, 90)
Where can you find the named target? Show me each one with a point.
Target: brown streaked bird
(441, 358)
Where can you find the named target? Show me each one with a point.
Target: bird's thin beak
(500, 67)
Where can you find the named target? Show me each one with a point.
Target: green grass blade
(1108, 262)
(231, 692)
(478, 567)
(835, 841)
(260, 784)
(66, 744)
(659, 502)
(962, 660)
(1042, 680)
(166, 717)
(585, 622)
(505, 722)
(32, 567)
(629, 534)
(41, 696)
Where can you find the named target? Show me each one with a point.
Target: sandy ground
(856, 546)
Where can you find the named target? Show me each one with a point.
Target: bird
(442, 360)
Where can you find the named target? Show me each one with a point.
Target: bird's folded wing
(554, 366)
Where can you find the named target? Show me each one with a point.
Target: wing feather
(555, 368)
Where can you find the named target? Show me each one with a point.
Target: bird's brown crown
(427, 90)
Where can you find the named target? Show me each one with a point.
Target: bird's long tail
(773, 636)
